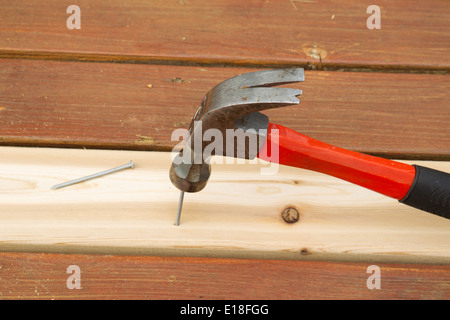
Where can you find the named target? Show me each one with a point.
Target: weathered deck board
(43, 276)
(104, 105)
(327, 32)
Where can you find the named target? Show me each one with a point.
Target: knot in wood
(290, 215)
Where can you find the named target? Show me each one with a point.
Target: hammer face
(190, 177)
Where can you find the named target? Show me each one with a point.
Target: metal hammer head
(232, 107)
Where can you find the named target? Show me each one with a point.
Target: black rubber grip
(430, 192)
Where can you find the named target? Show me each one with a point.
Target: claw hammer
(234, 104)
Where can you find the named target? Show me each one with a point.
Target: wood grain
(43, 276)
(238, 214)
(173, 52)
(122, 106)
(413, 34)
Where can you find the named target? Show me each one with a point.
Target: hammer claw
(268, 78)
(265, 98)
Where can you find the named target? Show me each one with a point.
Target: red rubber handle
(391, 178)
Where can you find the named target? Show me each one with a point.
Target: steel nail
(95, 175)
(180, 205)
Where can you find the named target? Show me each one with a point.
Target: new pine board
(126, 106)
(237, 215)
(323, 33)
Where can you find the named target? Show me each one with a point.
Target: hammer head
(229, 113)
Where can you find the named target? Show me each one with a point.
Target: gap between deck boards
(222, 63)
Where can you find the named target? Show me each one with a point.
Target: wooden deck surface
(136, 70)
(139, 277)
(328, 32)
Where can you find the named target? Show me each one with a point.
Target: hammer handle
(420, 187)
(430, 192)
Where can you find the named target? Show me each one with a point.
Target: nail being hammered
(95, 175)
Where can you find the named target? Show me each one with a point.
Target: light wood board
(236, 215)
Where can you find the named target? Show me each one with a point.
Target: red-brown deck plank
(44, 276)
(107, 105)
(413, 33)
